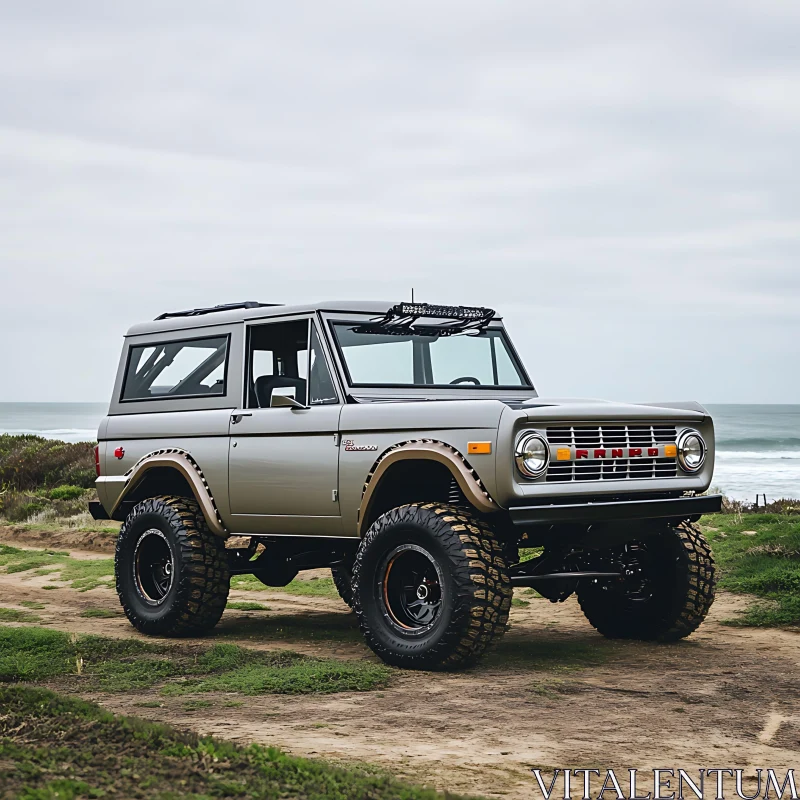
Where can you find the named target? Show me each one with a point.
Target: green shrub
(30, 462)
(17, 507)
(66, 492)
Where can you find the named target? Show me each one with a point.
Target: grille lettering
(617, 451)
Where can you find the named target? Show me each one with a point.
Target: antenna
(412, 294)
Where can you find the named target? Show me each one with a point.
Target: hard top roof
(260, 312)
(226, 317)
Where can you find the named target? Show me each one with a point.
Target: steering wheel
(466, 379)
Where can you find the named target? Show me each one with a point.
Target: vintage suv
(405, 448)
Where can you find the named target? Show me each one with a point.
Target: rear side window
(188, 368)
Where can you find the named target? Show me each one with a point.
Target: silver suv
(405, 448)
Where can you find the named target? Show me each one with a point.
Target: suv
(405, 448)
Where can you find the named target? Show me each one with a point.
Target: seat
(267, 383)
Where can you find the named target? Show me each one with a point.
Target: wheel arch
(170, 471)
(405, 469)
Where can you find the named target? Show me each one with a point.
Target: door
(284, 461)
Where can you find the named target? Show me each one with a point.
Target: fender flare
(428, 450)
(182, 461)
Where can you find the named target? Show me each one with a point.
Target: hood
(558, 408)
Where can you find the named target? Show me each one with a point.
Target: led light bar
(418, 310)
(402, 320)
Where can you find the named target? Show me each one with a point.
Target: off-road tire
(475, 589)
(199, 587)
(342, 574)
(684, 578)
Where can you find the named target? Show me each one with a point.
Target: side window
(321, 388)
(277, 358)
(188, 368)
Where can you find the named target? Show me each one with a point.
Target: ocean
(758, 446)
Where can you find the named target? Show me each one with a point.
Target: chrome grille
(619, 436)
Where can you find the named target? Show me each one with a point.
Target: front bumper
(615, 510)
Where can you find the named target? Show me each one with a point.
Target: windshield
(476, 359)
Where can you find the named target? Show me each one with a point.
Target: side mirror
(283, 401)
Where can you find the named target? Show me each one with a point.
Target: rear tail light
(97, 459)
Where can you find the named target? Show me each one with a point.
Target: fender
(429, 450)
(178, 459)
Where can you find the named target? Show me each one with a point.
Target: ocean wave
(744, 481)
(761, 455)
(759, 443)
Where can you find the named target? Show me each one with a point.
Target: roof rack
(402, 320)
(198, 312)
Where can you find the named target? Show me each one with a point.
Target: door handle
(237, 417)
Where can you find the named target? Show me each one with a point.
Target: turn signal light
(479, 447)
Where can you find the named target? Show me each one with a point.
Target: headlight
(532, 455)
(691, 450)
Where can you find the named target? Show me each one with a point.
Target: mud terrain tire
(342, 575)
(172, 572)
(679, 569)
(431, 587)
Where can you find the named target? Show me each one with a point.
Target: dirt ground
(553, 694)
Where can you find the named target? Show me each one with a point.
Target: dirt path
(554, 694)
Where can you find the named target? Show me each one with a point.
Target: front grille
(609, 436)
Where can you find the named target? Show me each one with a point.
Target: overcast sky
(620, 180)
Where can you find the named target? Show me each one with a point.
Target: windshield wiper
(403, 320)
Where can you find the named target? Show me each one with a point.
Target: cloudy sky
(619, 179)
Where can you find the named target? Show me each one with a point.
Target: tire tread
(205, 578)
(697, 576)
(480, 575)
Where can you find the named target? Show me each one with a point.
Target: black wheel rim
(153, 566)
(410, 589)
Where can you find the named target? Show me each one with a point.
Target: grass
(37, 654)
(308, 626)
(80, 574)
(56, 747)
(16, 615)
(81, 522)
(246, 605)
(288, 673)
(33, 604)
(313, 587)
(196, 705)
(759, 554)
(122, 665)
(99, 613)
